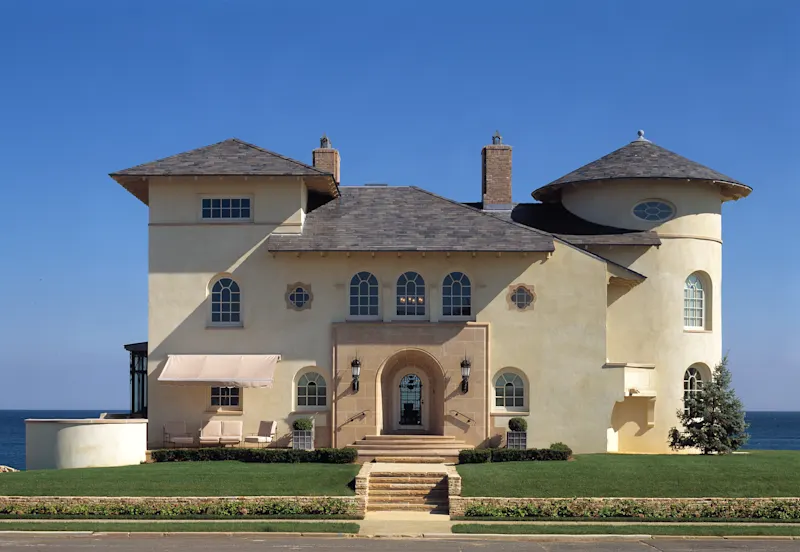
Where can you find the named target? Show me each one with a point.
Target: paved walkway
(389, 467)
(404, 523)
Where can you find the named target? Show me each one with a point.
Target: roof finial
(325, 142)
(641, 134)
(497, 139)
(641, 137)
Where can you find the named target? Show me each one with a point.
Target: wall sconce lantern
(466, 365)
(356, 367)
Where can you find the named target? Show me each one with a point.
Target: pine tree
(712, 419)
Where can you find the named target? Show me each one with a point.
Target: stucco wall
(89, 443)
(645, 324)
(559, 345)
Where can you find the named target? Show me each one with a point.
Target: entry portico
(410, 381)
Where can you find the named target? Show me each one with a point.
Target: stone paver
(389, 467)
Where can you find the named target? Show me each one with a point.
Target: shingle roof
(229, 157)
(641, 159)
(406, 219)
(554, 218)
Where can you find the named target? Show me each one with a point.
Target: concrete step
(406, 486)
(410, 437)
(400, 445)
(413, 459)
(433, 508)
(406, 477)
(432, 493)
(438, 451)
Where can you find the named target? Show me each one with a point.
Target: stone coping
(86, 421)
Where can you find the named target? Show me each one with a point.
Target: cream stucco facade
(600, 353)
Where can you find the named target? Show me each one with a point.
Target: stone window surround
(290, 288)
(510, 297)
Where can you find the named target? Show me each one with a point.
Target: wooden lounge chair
(267, 431)
(175, 434)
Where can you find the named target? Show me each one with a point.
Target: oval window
(654, 210)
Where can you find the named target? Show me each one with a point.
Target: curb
(537, 537)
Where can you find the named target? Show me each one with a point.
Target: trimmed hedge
(480, 456)
(303, 424)
(561, 446)
(525, 455)
(639, 509)
(266, 456)
(518, 424)
(149, 508)
(474, 456)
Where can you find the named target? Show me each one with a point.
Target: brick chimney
(496, 174)
(326, 158)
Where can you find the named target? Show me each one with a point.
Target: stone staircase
(418, 491)
(416, 449)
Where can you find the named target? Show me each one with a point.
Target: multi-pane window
(509, 391)
(692, 385)
(364, 293)
(456, 295)
(410, 295)
(225, 302)
(299, 297)
(521, 297)
(654, 211)
(225, 396)
(694, 303)
(225, 208)
(311, 390)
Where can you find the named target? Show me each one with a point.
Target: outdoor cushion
(211, 432)
(231, 431)
(266, 432)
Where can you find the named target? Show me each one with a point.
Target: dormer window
(225, 209)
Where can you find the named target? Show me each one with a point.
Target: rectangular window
(226, 397)
(226, 209)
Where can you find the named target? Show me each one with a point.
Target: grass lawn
(758, 474)
(177, 526)
(633, 529)
(186, 479)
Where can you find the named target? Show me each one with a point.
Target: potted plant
(303, 434)
(517, 436)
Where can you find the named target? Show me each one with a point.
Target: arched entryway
(410, 394)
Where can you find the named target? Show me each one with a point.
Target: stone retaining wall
(635, 508)
(238, 506)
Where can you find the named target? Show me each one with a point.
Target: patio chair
(231, 432)
(175, 434)
(267, 431)
(211, 432)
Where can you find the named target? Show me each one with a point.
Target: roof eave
(552, 192)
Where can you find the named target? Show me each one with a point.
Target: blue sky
(409, 92)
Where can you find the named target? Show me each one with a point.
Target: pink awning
(222, 370)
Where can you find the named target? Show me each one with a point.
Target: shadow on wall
(629, 419)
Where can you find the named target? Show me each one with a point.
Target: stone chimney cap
(325, 142)
(497, 139)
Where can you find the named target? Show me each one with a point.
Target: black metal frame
(138, 381)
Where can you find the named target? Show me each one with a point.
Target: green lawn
(177, 526)
(632, 529)
(186, 479)
(758, 474)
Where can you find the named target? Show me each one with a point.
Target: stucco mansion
(276, 293)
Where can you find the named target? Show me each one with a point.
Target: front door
(411, 402)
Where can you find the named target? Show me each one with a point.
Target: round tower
(669, 327)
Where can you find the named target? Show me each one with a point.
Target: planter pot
(303, 439)
(517, 439)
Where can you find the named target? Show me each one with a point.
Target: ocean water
(768, 431)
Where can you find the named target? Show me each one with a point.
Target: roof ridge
(264, 150)
(482, 212)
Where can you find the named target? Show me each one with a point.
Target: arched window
(410, 295)
(364, 294)
(692, 385)
(225, 302)
(456, 295)
(694, 303)
(311, 390)
(509, 391)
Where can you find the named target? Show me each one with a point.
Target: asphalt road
(215, 543)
